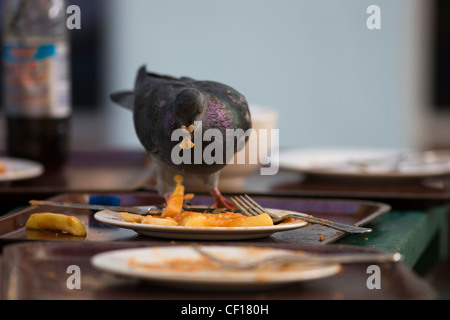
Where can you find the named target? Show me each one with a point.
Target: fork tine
(248, 207)
(241, 206)
(255, 204)
(255, 209)
(243, 203)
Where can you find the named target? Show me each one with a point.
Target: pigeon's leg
(220, 201)
(212, 183)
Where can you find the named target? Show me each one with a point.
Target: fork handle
(85, 206)
(331, 224)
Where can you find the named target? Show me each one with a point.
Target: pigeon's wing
(224, 92)
(233, 98)
(143, 79)
(234, 105)
(146, 115)
(154, 119)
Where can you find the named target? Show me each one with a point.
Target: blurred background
(333, 81)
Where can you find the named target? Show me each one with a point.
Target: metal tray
(40, 271)
(355, 212)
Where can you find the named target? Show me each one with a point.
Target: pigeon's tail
(124, 98)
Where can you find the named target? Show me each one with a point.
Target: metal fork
(307, 258)
(252, 208)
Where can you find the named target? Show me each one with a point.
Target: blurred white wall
(333, 81)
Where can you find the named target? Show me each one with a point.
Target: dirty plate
(366, 163)
(183, 266)
(19, 169)
(113, 218)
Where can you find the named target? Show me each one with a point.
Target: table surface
(416, 226)
(118, 171)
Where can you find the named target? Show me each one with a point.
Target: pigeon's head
(189, 106)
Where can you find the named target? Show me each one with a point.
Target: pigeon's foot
(220, 201)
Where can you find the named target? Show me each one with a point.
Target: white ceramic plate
(19, 169)
(364, 163)
(162, 265)
(113, 218)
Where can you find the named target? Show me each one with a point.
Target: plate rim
(35, 169)
(332, 173)
(180, 277)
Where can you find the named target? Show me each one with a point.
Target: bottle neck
(31, 19)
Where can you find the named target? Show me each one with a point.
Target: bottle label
(36, 82)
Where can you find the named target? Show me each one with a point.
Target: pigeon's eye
(199, 112)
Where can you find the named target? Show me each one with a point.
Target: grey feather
(161, 104)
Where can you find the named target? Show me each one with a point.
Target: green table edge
(411, 233)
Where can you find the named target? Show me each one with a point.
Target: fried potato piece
(173, 214)
(255, 221)
(185, 216)
(56, 222)
(169, 222)
(189, 196)
(136, 218)
(192, 219)
(131, 217)
(175, 203)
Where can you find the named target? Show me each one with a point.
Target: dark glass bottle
(36, 86)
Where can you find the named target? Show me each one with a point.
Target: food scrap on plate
(174, 215)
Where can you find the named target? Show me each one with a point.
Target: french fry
(189, 196)
(175, 203)
(56, 222)
(173, 214)
(192, 219)
(255, 221)
(130, 217)
(159, 221)
(136, 218)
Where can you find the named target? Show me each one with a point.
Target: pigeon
(212, 121)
